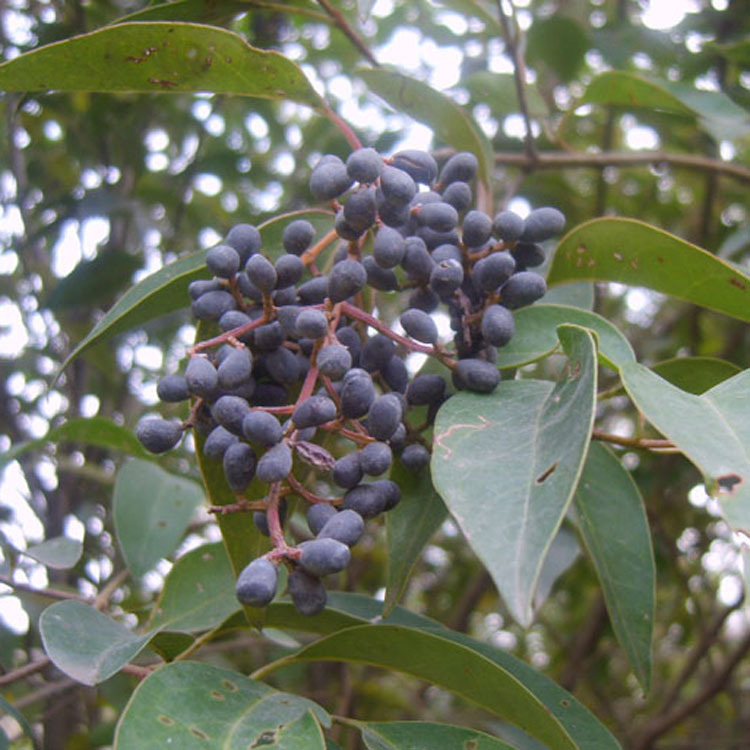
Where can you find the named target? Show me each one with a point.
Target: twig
(341, 23)
(566, 159)
(25, 671)
(342, 125)
(109, 588)
(50, 593)
(663, 723)
(632, 442)
(51, 688)
(519, 75)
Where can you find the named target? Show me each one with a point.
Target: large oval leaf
(614, 527)
(536, 335)
(86, 644)
(507, 464)
(712, 430)
(409, 527)
(188, 705)
(631, 252)
(487, 676)
(151, 510)
(159, 57)
(418, 100)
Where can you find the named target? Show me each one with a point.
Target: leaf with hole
(151, 509)
(712, 430)
(631, 252)
(614, 527)
(507, 465)
(189, 705)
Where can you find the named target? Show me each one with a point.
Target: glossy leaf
(86, 644)
(487, 676)
(614, 527)
(188, 705)
(409, 526)
(59, 553)
(536, 335)
(418, 100)
(631, 252)
(419, 735)
(507, 464)
(712, 430)
(717, 113)
(98, 431)
(151, 510)
(695, 374)
(159, 57)
(198, 593)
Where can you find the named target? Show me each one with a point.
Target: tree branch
(341, 23)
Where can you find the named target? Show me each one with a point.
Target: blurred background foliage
(97, 191)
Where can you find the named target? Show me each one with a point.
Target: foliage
(602, 489)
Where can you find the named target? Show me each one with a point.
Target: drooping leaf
(59, 553)
(613, 523)
(695, 374)
(188, 705)
(487, 676)
(507, 464)
(198, 593)
(159, 57)
(714, 110)
(418, 735)
(86, 644)
(631, 252)
(409, 527)
(151, 509)
(536, 335)
(97, 431)
(712, 430)
(418, 100)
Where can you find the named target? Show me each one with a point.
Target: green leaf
(94, 281)
(507, 464)
(170, 645)
(59, 553)
(86, 644)
(489, 677)
(418, 735)
(198, 593)
(97, 431)
(409, 527)
(695, 374)
(498, 91)
(613, 523)
(560, 42)
(162, 292)
(151, 510)
(536, 336)
(450, 122)
(562, 553)
(159, 57)
(190, 10)
(188, 705)
(712, 430)
(715, 111)
(631, 252)
(574, 294)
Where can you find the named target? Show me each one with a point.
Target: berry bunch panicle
(301, 356)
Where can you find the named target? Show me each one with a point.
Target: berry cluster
(302, 361)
